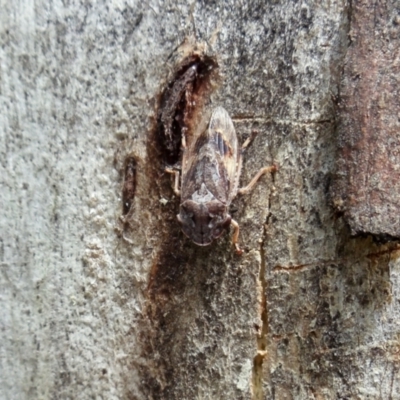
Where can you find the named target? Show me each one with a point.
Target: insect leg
(249, 139)
(176, 182)
(260, 173)
(183, 142)
(235, 237)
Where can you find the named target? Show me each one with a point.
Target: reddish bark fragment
(367, 185)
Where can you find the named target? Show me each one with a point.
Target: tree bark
(367, 185)
(102, 295)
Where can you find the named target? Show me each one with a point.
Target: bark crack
(259, 119)
(293, 268)
(258, 361)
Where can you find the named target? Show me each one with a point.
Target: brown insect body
(211, 167)
(210, 177)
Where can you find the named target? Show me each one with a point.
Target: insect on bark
(211, 167)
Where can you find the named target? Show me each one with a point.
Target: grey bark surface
(93, 306)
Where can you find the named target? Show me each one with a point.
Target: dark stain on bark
(183, 296)
(129, 187)
(181, 99)
(182, 291)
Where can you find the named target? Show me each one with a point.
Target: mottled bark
(99, 306)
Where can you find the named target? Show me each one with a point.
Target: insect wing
(222, 131)
(212, 160)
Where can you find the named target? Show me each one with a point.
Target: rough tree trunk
(95, 306)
